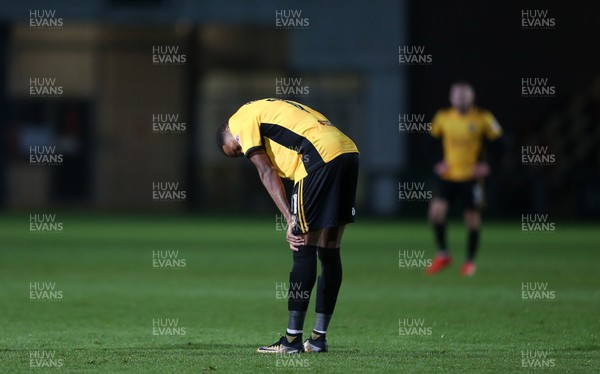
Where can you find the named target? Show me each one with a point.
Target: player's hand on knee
(294, 240)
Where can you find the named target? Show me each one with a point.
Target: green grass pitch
(225, 302)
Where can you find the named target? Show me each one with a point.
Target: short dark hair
(221, 135)
(462, 82)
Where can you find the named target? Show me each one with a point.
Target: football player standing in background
(462, 130)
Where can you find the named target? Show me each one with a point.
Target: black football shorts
(326, 196)
(470, 193)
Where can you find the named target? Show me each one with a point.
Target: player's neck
(463, 111)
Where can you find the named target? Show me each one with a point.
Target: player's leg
(473, 222)
(329, 282)
(301, 282)
(336, 196)
(472, 216)
(438, 210)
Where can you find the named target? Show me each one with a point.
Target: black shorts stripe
(301, 213)
(290, 139)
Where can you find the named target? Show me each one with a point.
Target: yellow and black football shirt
(296, 138)
(462, 139)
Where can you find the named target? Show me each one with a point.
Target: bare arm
(272, 182)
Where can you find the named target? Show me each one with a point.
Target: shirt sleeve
(436, 125)
(245, 128)
(492, 128)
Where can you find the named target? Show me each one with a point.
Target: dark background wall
(348, 56)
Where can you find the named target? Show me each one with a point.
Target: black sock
(302, 281)
(295, 322)
(473, 244)
(321, 323)
(440, 235)
(329, 283)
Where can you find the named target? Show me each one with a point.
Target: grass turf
(225, 299)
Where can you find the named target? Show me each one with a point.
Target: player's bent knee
(313, 237)
(437, 211)
(434, 215)
(472, 219)
(329, 237)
